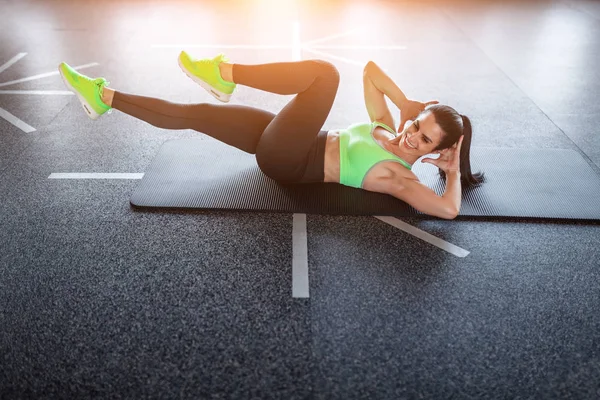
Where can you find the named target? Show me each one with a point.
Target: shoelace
(101, 83)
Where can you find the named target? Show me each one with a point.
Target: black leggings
(289, 146)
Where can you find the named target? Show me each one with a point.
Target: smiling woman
(436, 128)
(447, 127)
(290, 146)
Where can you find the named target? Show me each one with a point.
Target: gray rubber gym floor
(100, 301)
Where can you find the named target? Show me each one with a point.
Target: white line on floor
(223, 46)
(16, 121)
(327, 55)
(357, 47)
(86, 175)
(335, 36)
(299, 241)
(12, 61)
(40, 76)
(299, 257)
(38, 92)
(279, 47)
(442, 244)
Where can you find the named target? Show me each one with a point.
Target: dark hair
(454, 125)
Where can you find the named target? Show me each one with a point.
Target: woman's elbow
(445, 214)
(451, 214)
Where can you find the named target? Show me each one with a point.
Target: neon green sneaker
(88, 90)
(205, 72)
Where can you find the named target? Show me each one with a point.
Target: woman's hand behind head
(449, 159)
(410, 109)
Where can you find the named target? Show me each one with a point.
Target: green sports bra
(359, 152)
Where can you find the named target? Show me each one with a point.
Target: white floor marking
(16, 121)
(351, 47)
(12, 61)
(85, 175)
(223, 46)
(327, 55)
(11, 118)
(429, 238)
(297, 45)
(279, 46)
(299, 240)
(335, 36)
(44, 75)
(299, 257)
(38, 92)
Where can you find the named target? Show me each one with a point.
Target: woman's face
(422, 134)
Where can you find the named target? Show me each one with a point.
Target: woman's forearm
(385, 84)
(453, 192)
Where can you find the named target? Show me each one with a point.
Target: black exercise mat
(207, 174)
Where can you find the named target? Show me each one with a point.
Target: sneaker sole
(224, 97)
(86, 106)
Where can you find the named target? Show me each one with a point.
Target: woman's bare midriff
(378, 177)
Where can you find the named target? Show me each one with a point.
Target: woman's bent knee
(327, 69)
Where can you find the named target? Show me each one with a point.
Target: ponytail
(467, 178)
(455, 125)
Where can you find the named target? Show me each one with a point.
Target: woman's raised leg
(281, 142)
(285, 143)
(236, 125)
(239, 126)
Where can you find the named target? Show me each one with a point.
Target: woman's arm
(449, 162)
(422, 198)
(376, 85)
(453, 191)
(385, 86)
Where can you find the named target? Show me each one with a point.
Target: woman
(290, 147)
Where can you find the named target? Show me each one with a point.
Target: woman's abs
(332, 157)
